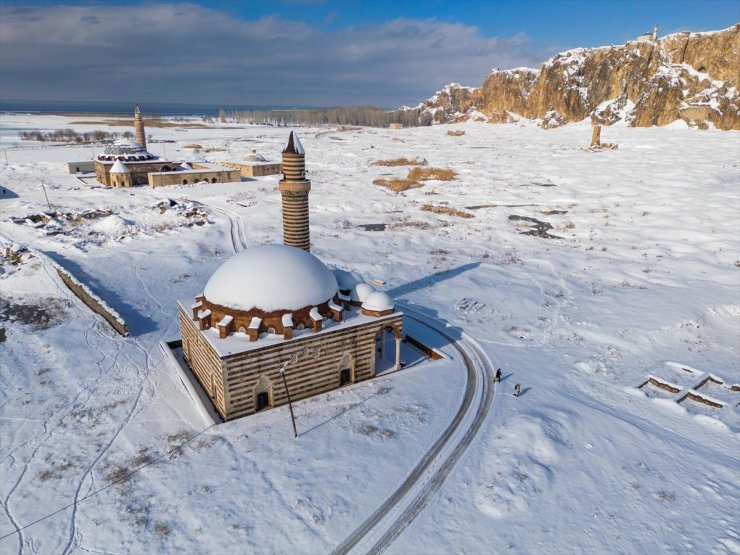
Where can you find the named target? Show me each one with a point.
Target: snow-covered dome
(271, 278)
(361, 291)
(254, 156)
(126, 150)
(185, 166)
(119, 167)
(378, 302)
(346, 279)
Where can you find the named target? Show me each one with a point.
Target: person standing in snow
(517, 389)
(497, 377)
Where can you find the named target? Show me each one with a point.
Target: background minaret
(294, 188)
(139, 126)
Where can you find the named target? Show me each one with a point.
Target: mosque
(127, 163)
(277, 308)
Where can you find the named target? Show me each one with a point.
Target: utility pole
(43, 186)
(287, 394)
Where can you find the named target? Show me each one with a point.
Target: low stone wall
(95, 303)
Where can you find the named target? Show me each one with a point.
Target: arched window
(346, 370)
(262, 394)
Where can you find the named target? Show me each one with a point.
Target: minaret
(139, 126)
(294, 188)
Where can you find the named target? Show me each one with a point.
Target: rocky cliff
(688, 76)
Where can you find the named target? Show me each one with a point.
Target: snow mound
(520, 466)
(271, 277)
(113, 226)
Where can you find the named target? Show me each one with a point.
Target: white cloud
(187, 53)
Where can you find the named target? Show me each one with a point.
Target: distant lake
(147, 108)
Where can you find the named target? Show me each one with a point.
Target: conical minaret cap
(136, 110)
(294, 145)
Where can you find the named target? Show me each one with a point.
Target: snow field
(645, 272)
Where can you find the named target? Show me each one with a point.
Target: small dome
(271, 278)
(254, 156)
(361, 291)
(119, 167)
(378, 302)
(346, 279)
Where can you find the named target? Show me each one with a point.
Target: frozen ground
(643, 278)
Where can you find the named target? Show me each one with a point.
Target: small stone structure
(86, 166)
(255, 165)
(209, 173)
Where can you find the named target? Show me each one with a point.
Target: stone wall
(190, 177)
(203, 361)
(93, 301)
(314, 368)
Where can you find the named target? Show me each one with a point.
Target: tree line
(72, 136)
(366, 116)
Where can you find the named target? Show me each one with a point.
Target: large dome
(126, 151)
(271, 278)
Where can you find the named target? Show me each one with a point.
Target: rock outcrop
(688, 76)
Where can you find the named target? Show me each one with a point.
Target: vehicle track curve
(412, 496)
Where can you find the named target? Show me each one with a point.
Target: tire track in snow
(428, 476)
(236, 225)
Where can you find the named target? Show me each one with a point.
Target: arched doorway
(263, 394)
(346, 370)
(379, 345)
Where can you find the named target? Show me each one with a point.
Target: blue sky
(306, 52)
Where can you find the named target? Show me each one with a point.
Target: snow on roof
(254, 156)
(226, 320)
(378, 301)
(271, 277)
(288, 320)
(204, 314)
(361, 291)
(334, 306)
(186, 166)
(315, 315)
(347, 279)
(119, 167)
(294, 145)
(255, 323)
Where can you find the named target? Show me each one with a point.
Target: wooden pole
(290, 404)
(47, 196)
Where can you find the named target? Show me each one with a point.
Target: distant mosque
(273, 308)
(127, 163)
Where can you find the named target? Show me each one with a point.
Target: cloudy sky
(305, 52)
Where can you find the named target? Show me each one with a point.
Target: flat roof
(207, 167)
(236, 343)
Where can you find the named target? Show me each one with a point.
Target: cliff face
(689, 76)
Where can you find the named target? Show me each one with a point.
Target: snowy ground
(643, 278)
